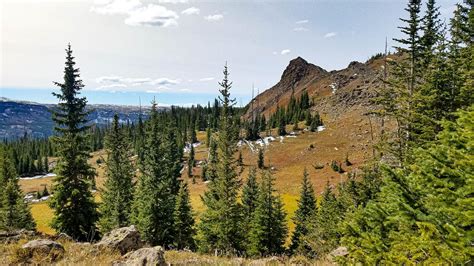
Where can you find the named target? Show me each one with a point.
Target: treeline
(296, 111)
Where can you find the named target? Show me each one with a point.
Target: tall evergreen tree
(154, 200)
(305, 211)
(269, 231)
(14, 211)
(117, 196)
(431, 26)
(75, 212)
(323, 237)
(220, 227)
(261, 159)
(183, 219)
(422, 214)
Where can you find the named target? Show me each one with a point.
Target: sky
(174, 50)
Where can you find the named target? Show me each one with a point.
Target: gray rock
(339, 252)
(49, 249)
(143, 257)
(268, 261)
(14, 236)
(123, 239)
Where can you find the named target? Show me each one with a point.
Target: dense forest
(413, 202)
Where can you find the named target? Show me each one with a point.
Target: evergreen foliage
(184, 220)
(14, 211)
(303, 215)
(75, 212)
(220, 226)
(154, 201)
(117, 195)
(269, 229)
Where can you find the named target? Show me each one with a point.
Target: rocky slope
(333, 92)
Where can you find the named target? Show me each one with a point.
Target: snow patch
(38, 176)
(333, 86)
(320, 128)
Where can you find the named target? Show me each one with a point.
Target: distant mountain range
(34, 119)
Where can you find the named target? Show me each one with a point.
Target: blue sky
(174, 50)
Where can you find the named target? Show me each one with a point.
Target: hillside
(34, 119)
(333, 92)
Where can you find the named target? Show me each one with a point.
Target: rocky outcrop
(338, 252)
(123, 239)
(14, 236)
(143, 257)
(50, 250)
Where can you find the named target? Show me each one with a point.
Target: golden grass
(348, 134)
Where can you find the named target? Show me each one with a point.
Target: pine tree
(305, 211)
(191, 163)
(14, 211)
(73, 204)
(269, 231)
(431, 25)
(422, 214)
(183, 220)
(323, 237)
(250, 194)
(220, 226)
(261, 159)
(117, 196)
(154, 200)
(46, 164)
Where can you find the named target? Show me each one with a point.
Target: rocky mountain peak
(299, 68)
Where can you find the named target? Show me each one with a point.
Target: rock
(143, 257)
(14, 236)
(339, 252)
(49, 249)
(63, 236)
(123, 239)
(268, 261)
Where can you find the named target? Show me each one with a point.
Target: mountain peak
(299, 68)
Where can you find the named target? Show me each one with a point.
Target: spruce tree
(75, 212)
(431, 25)
(261, 159)
(269, 229)
(303, 215)
(250, 194)
(154, 200)
(14, 211)
(323, 237)
(183, 220)
(220, 226)
(117, 196)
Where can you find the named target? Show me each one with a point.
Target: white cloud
(330, 35)
(106, 79)
(173, 1)
(137, 13)
(191, 11)
(215, 17)
(304, 21)
(114, 7)
(165, 82)
(111, 86)
(300, 29)
(207, 79)
(152, 15)
(129, 83)
(286, 51)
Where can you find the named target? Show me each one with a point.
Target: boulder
(143, 257)
(123, 239)
(49, 249)
(274, 260)
(14, 236)
(339, 252)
